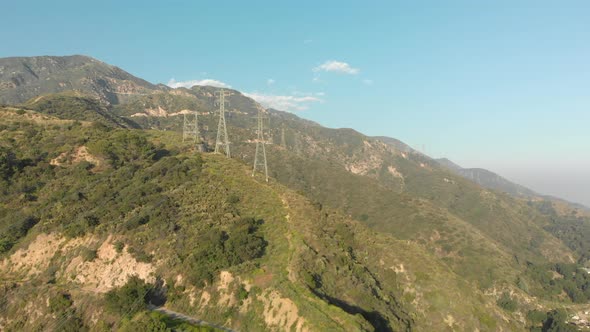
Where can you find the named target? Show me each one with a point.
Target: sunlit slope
(166, 207)
(396, 190)
(23, 78)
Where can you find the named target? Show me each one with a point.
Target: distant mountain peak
(22, 78)
(487, 179)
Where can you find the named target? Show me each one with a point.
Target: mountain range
(351, 233)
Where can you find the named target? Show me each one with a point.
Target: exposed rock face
(108, 270)
(22, 78)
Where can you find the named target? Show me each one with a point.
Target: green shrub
(119, 246)
(536, 318)
(130, 298)
(233, 199)
(5, 245)
(152, 322)
(88, 255)
(242, 294)
(13, 227)
(8, 163)
(507, 303)
(60, 303)
(557, 322)
(140, 255)
(222, 249)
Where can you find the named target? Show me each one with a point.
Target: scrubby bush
(124, 147)
(140, 255)
(556, 322)
(152, 322)
(129, 299)
(13, 227)
(88, 255)
(222, 249)
(8, 163)
(60, 302)
(119, 246)
(507, 303)
(574, 281)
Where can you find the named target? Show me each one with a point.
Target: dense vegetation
(572, 229)
(131, 298)
(136, 179)
(194, 216)
(552, 321)
(221, 250)
(558, 279)
(75, 106)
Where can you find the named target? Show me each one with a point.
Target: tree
(8, 163)
(130, 298)
(556, 322)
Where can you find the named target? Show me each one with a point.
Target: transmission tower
(283, 140)
(191, 132)
(222, 138)
(190, 129)
(260, 154)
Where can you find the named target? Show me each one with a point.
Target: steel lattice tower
(222, 137)
(190, 129)
(260, 154)
(283, 140)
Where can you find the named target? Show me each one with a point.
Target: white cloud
(368, 82)
(270, 81)
(308, 41)
(188, 84)
(337, 67)
(284, 103)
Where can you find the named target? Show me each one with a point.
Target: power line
(222, 137)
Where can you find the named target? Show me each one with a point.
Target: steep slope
(214, 242)
(486, 242)
(395, 190)
(22, 78)
(395, 143)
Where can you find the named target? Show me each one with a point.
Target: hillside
(23, 78)
(352, 232)
(72, 105)
(280, 260)
(349, 171)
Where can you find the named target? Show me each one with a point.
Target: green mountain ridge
(491, 180)
(488, 179)
(165, 213)
(358, 233)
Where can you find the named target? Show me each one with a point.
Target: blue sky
(501, 85)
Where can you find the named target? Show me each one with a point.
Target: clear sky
(502, 85)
